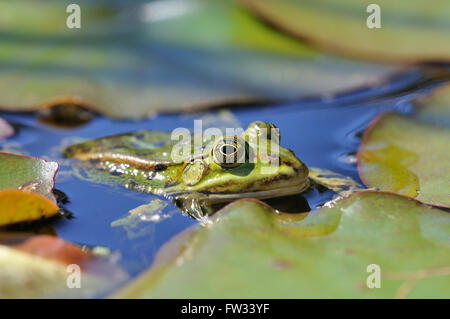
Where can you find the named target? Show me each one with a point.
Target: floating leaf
(410, 30)
(49, 18)
(185, 56)
(436, 107)
(402, 155)
(248, 251)
(28, 174)
(5, 129)
(56, 249)
(40, 268)
(26, 185)
(19, 206)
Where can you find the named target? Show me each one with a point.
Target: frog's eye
(229, 152)
(266, 130)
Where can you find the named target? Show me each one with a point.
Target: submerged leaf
(402, 155)
(248, 251)
(148, 213)
(180, 56)
(409, 30)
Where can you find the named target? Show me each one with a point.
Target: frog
(228, 168)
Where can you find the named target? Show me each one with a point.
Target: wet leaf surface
(28, 174)
(402, 155)
(410, 31)
(248, 251)
(170, 62)
(26, 185)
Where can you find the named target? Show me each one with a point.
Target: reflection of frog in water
(232, 167)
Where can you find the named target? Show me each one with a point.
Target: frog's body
(230, 168)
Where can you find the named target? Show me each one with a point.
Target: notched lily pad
(248, 251)
(410, 30)
(26, 185)
(402, 155)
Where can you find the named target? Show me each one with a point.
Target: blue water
(323, 132)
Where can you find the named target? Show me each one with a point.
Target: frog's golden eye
(266, 130)
(229, 152)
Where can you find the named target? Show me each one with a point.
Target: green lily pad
(410, 30)
(5, 129)
(27, 174)
(405, 156)
(203, 54)
(436, 107)
(250, 251)
(48, 18)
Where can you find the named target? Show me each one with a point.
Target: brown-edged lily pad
(26, 185)
(410, 30)
(180, 56)
(403, 155)
(45, 266)
(248, 251)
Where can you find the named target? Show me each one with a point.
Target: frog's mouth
(271, 193)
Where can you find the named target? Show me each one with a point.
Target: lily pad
(26, 185)
(248, 251)
(436, 107)
(405, 156)
(5, 129)
(28, 174)
(187, 56)
(41, 267)
(19, 206)
(410, 30)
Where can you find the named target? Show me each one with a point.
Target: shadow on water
(323, 132)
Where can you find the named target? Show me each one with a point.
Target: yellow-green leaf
(403, 155)
(409, 30)
(248, 251)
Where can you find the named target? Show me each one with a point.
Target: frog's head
(252, 164)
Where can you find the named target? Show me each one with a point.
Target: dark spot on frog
(131, 184)
(160, 167)
(115, 173)
(139, 136)
(144, 153)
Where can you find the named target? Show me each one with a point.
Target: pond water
(322, 131)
